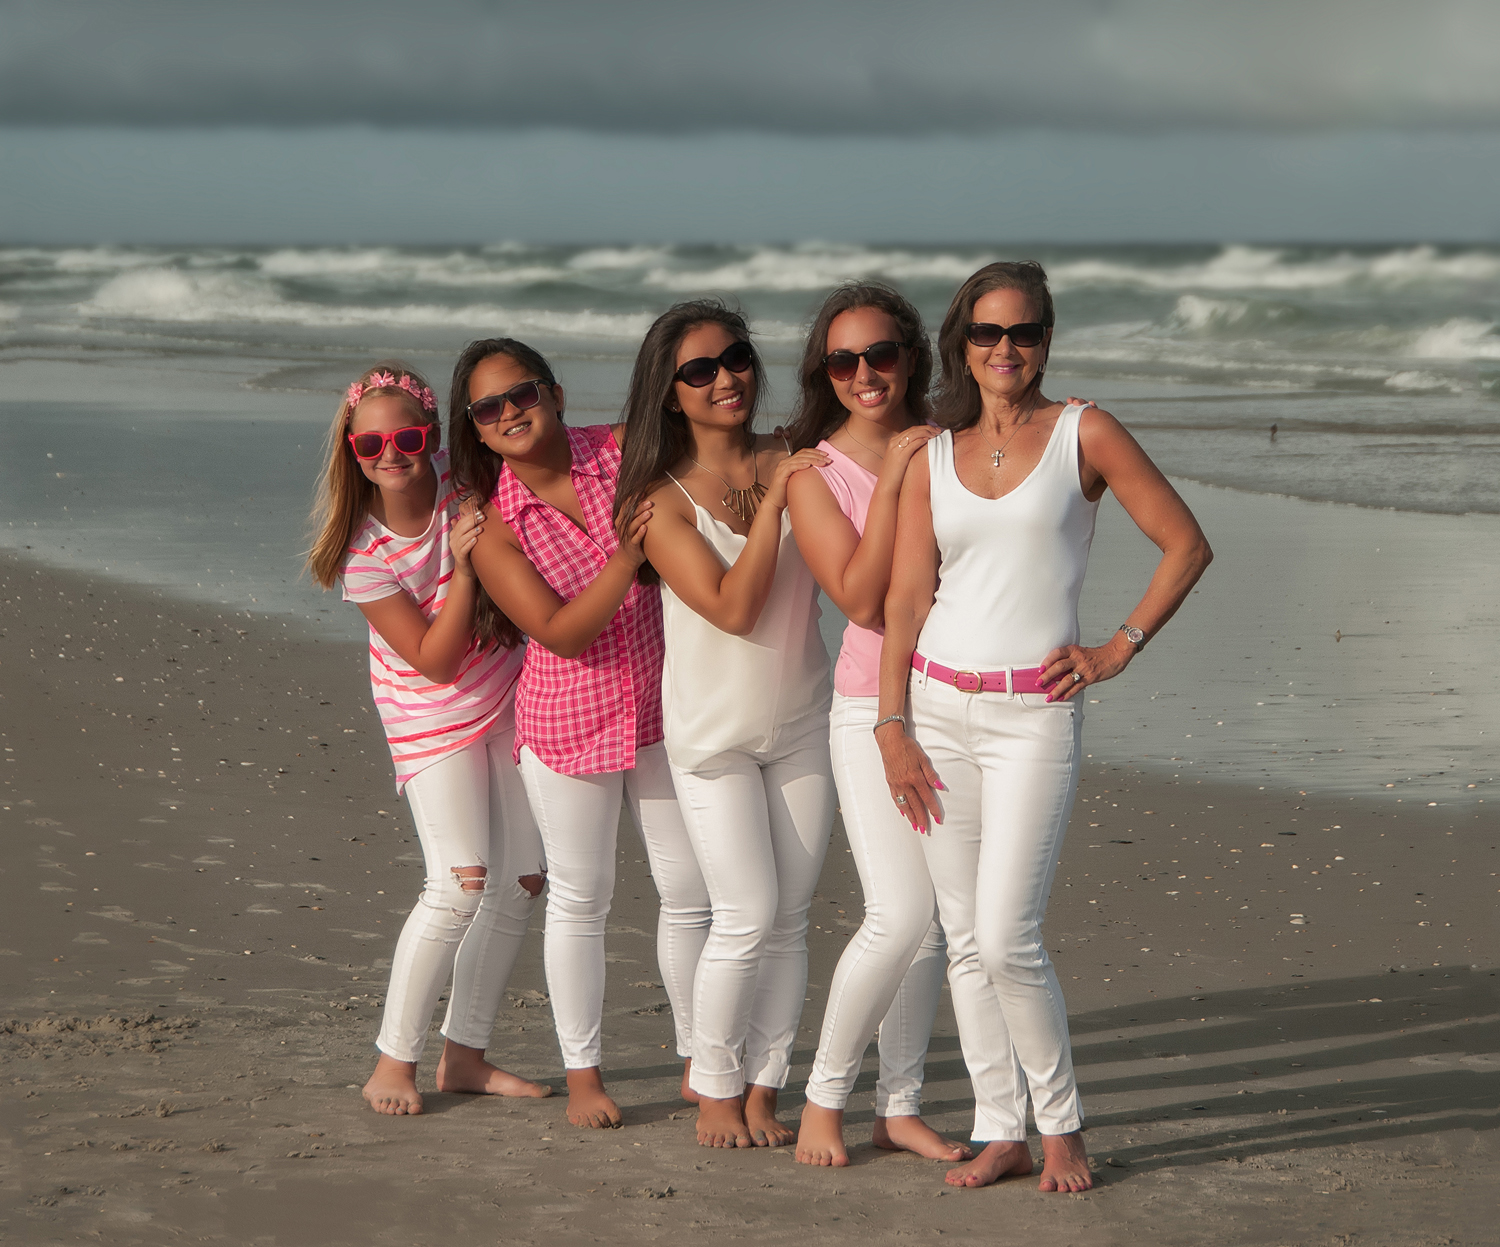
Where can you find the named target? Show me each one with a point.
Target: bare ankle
(909, 1133)
(589, 1104)
(392, 1088)
(820, 1139)
(760, 1116)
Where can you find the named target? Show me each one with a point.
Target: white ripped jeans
(579, 818)
(759, 824)
(892, 971)
(1009, 765)
(470, 810)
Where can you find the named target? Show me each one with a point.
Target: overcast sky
(654, 119)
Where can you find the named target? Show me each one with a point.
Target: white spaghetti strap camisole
(1012, 568)
(724, 692)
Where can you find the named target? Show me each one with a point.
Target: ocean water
(163, 411)
(1380, 367)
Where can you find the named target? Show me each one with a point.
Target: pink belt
(1009, 680)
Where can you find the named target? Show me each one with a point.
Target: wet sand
(1284, 1006)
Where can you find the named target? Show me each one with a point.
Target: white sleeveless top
(724, 692)
(1010, 568)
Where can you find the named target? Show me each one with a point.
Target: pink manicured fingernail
(1049, 697)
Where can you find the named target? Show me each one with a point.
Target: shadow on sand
(1295, 1068)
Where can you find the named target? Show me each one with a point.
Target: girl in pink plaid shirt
(588, 703)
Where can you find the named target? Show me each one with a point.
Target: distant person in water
(392, 531)
(981, 676)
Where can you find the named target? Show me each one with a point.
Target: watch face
(1134, 635)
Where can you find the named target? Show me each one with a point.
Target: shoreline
(1255, 1079)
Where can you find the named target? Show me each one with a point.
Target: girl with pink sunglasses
(391, 530)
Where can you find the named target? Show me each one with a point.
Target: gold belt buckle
(978, 681)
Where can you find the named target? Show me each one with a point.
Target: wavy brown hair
(476, 468)
(345, 492)
(819, 411)
(957, 405)
(656, 437)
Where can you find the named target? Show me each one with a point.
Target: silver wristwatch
(1134, 635)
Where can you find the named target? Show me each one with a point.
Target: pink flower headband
(386, 380)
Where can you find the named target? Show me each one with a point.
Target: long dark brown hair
(957, 405)
(475, 467)
(656, 437)
(819, 411)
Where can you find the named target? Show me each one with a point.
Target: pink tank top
(857, 672)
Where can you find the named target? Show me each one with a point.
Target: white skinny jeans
(759, 824)
(579, 818)
(892, 971)
(1010, 767)
(470, 810)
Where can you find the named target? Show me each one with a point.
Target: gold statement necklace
(743, 502)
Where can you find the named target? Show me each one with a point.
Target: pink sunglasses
(412, 440)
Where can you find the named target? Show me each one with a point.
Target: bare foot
(392, 1088)
(688, 1093)
(909, 1133)
(820, 1141)
(996, 1161)
(465, 1069)
(589, 1105)
(1065, 1164)
(721, 1123)
(760, 1116)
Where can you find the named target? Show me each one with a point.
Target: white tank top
(1010, 569)
(738, 692)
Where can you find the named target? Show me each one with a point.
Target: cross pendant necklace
(997, 455)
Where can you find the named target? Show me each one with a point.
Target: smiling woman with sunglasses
(981, 673)
(865, 372)
(392, 531)
(588, 704)
(745, 698)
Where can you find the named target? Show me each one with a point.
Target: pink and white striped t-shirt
(424, 721)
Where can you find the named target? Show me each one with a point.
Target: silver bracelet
(890, 718)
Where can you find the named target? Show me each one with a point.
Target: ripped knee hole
(471, 878)
(532, 884)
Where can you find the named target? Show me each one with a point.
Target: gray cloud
(665, 66)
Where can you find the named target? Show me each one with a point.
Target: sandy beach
(1284, 1005)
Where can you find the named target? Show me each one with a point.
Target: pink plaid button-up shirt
(585, 715)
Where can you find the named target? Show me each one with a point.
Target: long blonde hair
(345, 493)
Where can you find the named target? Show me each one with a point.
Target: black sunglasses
(983, 334)
(881, 356)
(702, 371)
(522, 397)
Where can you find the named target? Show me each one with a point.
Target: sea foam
(171, 295)
(1459, 338)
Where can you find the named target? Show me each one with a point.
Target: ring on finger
(900, 798)
(1077, 679)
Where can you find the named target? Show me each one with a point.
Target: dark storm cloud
(659, 66)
